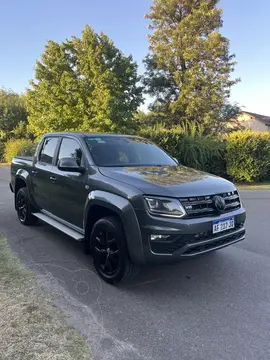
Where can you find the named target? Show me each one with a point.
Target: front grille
(176, 242)
(202, 206)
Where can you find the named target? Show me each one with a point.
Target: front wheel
(23, 208)
(109, 251)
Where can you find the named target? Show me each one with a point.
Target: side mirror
(70, 164)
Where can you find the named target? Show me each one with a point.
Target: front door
(41, 173)
(69, 193)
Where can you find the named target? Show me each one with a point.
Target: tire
(109, 251)
(23, 208)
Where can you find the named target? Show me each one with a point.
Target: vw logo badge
(219, 203)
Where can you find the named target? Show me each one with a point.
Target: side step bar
(59, 226)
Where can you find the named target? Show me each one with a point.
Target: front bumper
(188, 237)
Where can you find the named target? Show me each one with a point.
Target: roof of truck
(83, 134)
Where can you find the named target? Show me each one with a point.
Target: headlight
(165, 207)
(240, 198)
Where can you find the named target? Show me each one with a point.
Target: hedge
(248, 156)
(20, 147)
(242, 156)
(202, 153)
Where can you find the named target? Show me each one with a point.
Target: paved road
(215, 307)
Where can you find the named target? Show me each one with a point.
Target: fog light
(159, 237)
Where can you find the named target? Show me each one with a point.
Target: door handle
(53, 179)
(34, 173)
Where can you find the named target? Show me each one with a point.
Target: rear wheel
(23, 208)
(109, 251)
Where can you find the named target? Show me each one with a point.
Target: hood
(174, 181)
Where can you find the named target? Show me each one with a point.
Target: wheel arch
(22, 179)
(19, 183)
(97, 211)
(101, 204)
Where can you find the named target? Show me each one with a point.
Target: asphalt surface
(213, 307)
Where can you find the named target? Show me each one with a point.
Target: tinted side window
(48, 150)
(70, 148)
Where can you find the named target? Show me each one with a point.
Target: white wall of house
(249, 122)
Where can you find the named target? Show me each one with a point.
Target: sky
(26, 26)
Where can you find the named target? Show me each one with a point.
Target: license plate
(223, 225)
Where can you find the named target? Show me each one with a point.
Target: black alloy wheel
(109, 251)
(23, 208)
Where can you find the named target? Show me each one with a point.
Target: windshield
(126, 151)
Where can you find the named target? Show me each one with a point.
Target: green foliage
(248, 156)
(196, 151)
(84, 84)
(12, 112)
(20, 131)
(19, 147)
(142, 119)
(242, 155)
(189, 67)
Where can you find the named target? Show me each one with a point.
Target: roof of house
(263, 118)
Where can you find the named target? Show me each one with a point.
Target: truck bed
(24, 158)
(22, 162)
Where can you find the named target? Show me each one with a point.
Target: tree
(189, 68)
(13, 114)
(145, 119)
(83, 84)
(228, 119)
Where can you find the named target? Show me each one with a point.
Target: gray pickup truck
(129, 201)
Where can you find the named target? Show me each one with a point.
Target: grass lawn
(255, 186)
(31, 326)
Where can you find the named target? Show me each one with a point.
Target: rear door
(70, 191)
(41, 173)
